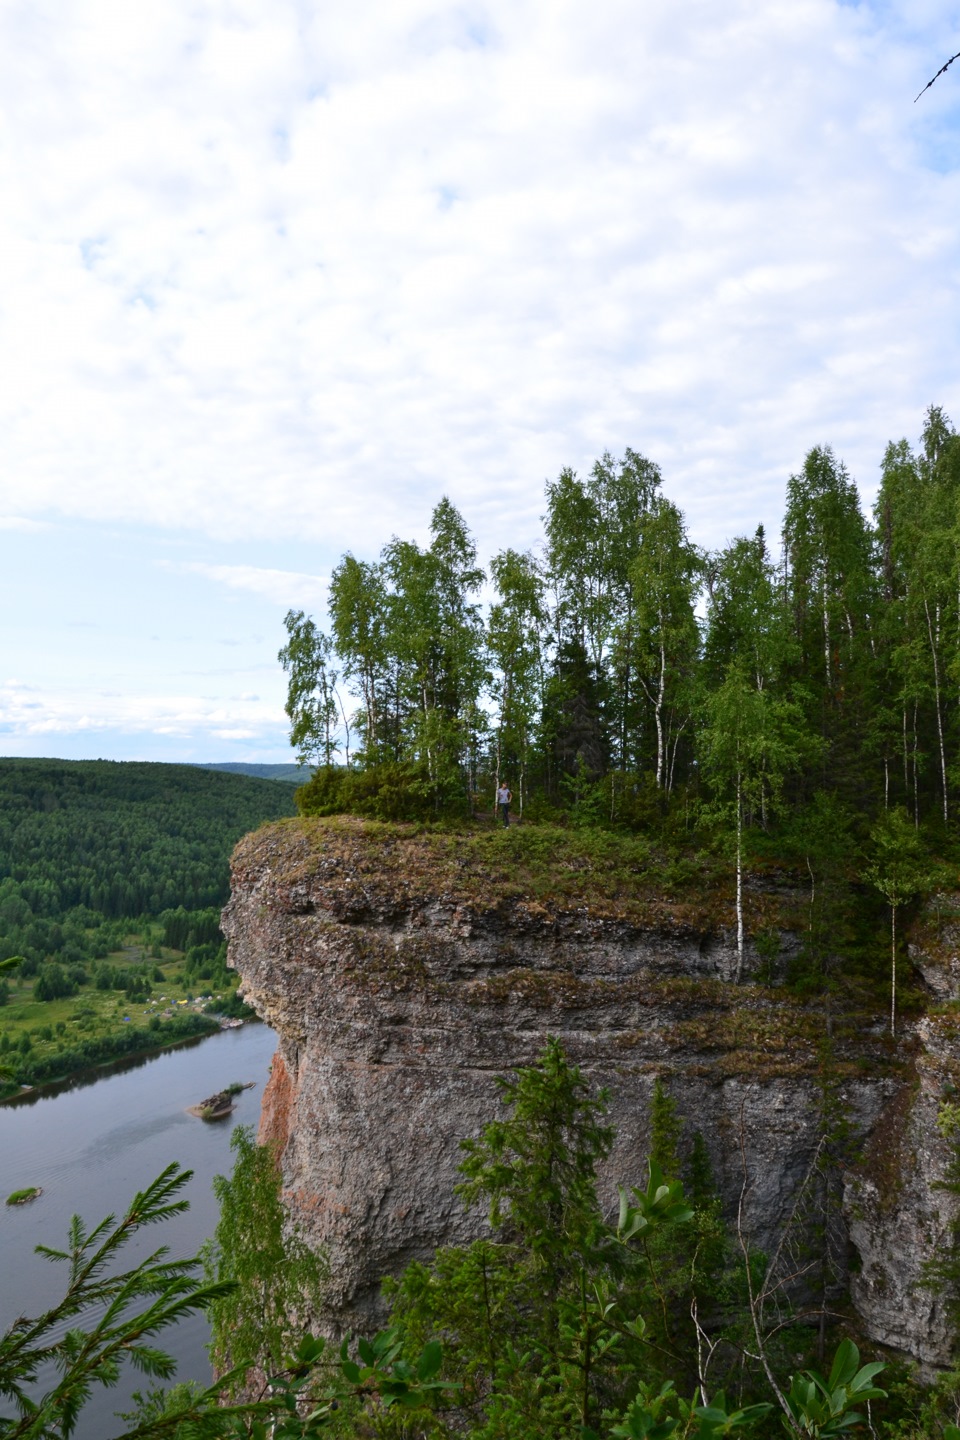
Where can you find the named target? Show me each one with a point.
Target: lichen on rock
(404, 968)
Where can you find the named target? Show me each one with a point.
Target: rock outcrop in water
(403, 972)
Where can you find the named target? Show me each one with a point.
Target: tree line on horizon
(622, 670)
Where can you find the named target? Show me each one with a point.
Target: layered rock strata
(403, 973)
(902, 1218)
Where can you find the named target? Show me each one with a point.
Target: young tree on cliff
(592, 531)
(358, 602)
(512, 1305)
(831, 592)
(516, 642)
(900, 869)
(749, 742)
(435, 635)
(556, 1325)
(312, 702)
(268, 1279)
(665, 576)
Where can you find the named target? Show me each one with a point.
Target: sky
(278, 275)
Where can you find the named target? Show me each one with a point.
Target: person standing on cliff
(504, 797)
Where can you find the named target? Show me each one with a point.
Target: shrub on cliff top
(392, 791)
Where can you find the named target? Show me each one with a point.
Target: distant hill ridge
(122, 837)
(291, 774)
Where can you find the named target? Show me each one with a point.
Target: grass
(20, 1197)
(622, 876)
(58, 1026)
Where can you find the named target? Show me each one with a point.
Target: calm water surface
(91, 1147)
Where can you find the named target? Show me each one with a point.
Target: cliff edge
(403, 969)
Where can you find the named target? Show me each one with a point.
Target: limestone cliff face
(402, 973)
(899, 1216)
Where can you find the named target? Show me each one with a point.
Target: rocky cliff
(403, 971)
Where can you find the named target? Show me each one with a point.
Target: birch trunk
(739, 880)
(936, 691)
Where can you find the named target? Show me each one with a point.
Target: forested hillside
(85, 843)
(622, 675)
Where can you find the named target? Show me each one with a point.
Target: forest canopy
(620, 672)
(84, 844)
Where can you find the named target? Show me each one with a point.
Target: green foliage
(776, 703)
(53, 983)
(555, 1327)
(941, 1273)
(117, 840)
(922, 1411)
(664, 641)
(561, 1324)
(131, 1040)
(272, 1274)
(665, 1131)
(900, 868)
(535, 1170)
(646, 1417)
(527, 1313)
(312, 699)
(822, 837)
(393, 790)
(84, 843)
(827, 1407)
(183, 928)
(18, 1197)
(131, 1307)
(73, 1353)
(234, 1007)
(81, 846)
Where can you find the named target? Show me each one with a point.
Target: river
(91, 1146)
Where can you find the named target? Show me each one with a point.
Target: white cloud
(26, 712)
(290, 269)
(21, 522)
(289, 588)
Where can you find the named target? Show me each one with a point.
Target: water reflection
(95, 1141)
(82, 1078)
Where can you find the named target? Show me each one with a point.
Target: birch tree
(749, 742)
(434, 634)
(516, 640)
(830, 584)
(900, 869)
(358, 616)
(665, 577)
(593, 528)
(312, 703)
(747, 620)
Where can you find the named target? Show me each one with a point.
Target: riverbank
(144, 987)
(108, 1053)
